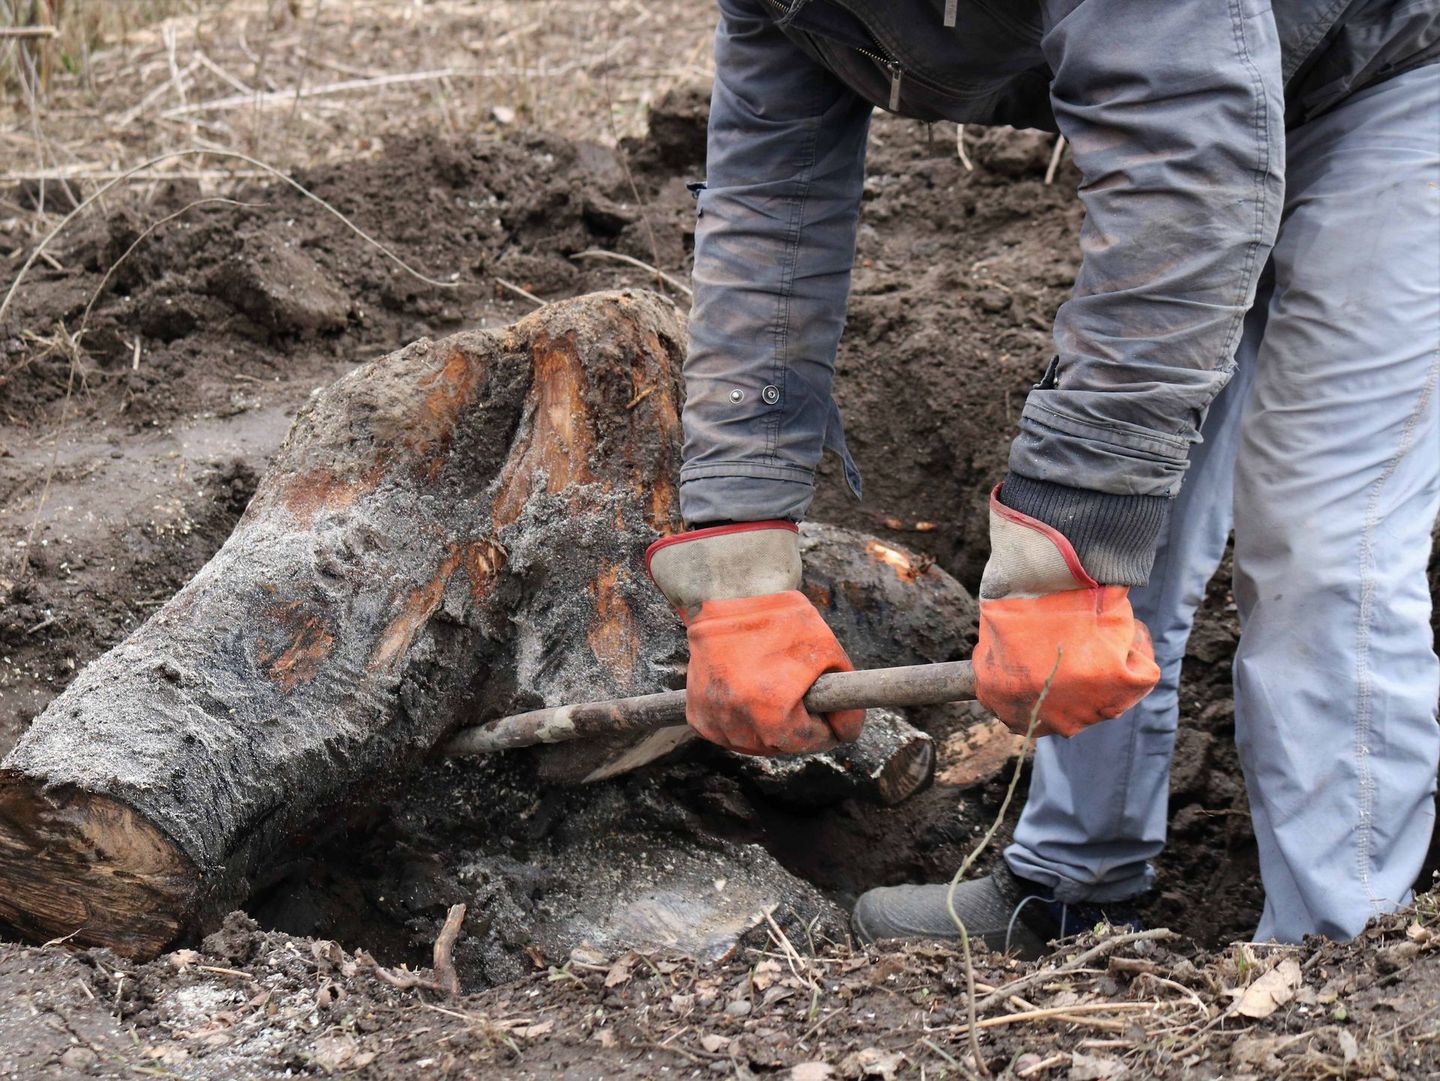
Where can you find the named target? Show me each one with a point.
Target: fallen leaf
(1349, 1046)
(530, 1032)
(1270, 991)
(811, 1071)
(872, 1062)
(1260, 1053)
(183, 959)
(713, 1042)
(765, 974)
(776, 994)
(333, 1053)
(1085, 1067)
(168, 1054)
(620, 971)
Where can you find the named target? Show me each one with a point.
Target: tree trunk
(448, 531)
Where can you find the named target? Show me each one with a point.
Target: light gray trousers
(1323, 453)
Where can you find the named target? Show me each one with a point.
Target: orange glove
(1038, 607)
(756, 643)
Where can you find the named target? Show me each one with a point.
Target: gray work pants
(1324, 455)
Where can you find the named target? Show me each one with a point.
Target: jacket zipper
(889, 63)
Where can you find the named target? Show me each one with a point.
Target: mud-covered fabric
(1324, 452)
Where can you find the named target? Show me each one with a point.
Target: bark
(890, 762)
(449, 531)
(886, 604)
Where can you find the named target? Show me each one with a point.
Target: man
(1254, 337)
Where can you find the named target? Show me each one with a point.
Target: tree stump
(452, 528)
(449, 533)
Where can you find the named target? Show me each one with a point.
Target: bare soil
(131, 438)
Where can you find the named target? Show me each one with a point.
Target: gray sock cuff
(1114, 535)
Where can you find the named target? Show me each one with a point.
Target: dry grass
(294, 82)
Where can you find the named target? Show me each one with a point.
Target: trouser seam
(781, 336)
(1364, 706)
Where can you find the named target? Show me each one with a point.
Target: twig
(960, 148)
(444, 964)
(28, 32)
(519, 292)
(404, 980)
(305, 61)
(217, 70)
(1043, 1064)
(1060, 1012)
(795, 961)
(1055, 156)
(170, 156)
(226, 972)
(947, 1056)
(1103, 949)
(153, 96)
(167, 33)
(600, 253)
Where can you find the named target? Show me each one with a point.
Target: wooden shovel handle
(912, 685)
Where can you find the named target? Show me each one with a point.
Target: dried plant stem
(960, 149)
(172, 155)
(444, 963)
(1065, 1012)
(1055, 156)
(975, 852)
(600, 253)
(518, 291)
(1103, 949)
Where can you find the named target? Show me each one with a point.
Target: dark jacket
(991, 67)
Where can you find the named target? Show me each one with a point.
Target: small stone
(739, 1008)
(78, 1058)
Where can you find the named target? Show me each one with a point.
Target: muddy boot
(1011, 914)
